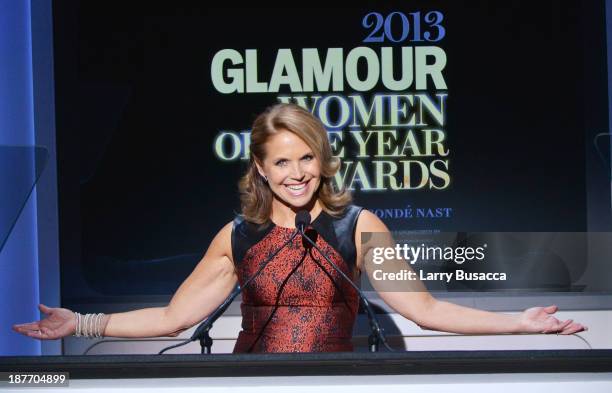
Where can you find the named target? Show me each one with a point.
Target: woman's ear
(259, 168)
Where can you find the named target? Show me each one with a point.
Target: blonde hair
(255, 194)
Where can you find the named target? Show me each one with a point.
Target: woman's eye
(308, 157)
(281, 162)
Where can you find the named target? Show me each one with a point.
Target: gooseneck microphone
(377, 334)
(202, 331)
(302, 220)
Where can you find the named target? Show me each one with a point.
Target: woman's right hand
(60, 322)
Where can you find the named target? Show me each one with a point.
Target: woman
(299, 303)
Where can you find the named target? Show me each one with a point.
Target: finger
(26, 331)
(21, 330)
(551, 309)
(570, 330)
(34, 334)
(27, 326)
(27, 323)
(552, 325)
(44, 309)
(558, 325)
(574, 328)
(563, 325)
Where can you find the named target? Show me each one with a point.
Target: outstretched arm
(448, 317)
(413, 301)
(205, 289)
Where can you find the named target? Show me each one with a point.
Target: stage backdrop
(447, 116)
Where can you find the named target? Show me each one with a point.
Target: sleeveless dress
(299, 302)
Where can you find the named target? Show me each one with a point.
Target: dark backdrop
(142, 194)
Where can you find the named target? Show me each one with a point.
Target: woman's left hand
(541, 320)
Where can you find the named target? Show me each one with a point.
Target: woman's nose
(297, 172)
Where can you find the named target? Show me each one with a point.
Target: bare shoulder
(226, 231)
(366, 222)
(369, 222)
(221, 245)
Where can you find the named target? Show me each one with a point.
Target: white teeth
(297, 188)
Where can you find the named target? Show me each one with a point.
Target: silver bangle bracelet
(89, 325)
(77, 331)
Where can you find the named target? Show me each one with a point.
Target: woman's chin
(298, 202)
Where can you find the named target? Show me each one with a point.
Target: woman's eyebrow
(276, 158)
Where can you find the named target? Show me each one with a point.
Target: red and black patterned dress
(299, 303)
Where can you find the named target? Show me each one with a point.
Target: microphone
(201, 333)
(302, 220)
(377, 332)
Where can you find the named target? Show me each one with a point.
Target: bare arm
(448, 317)
(145, 322)
(413, 300)
(204, 290)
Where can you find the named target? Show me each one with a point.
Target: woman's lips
(297, 190)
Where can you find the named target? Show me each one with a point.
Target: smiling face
(292, 169)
